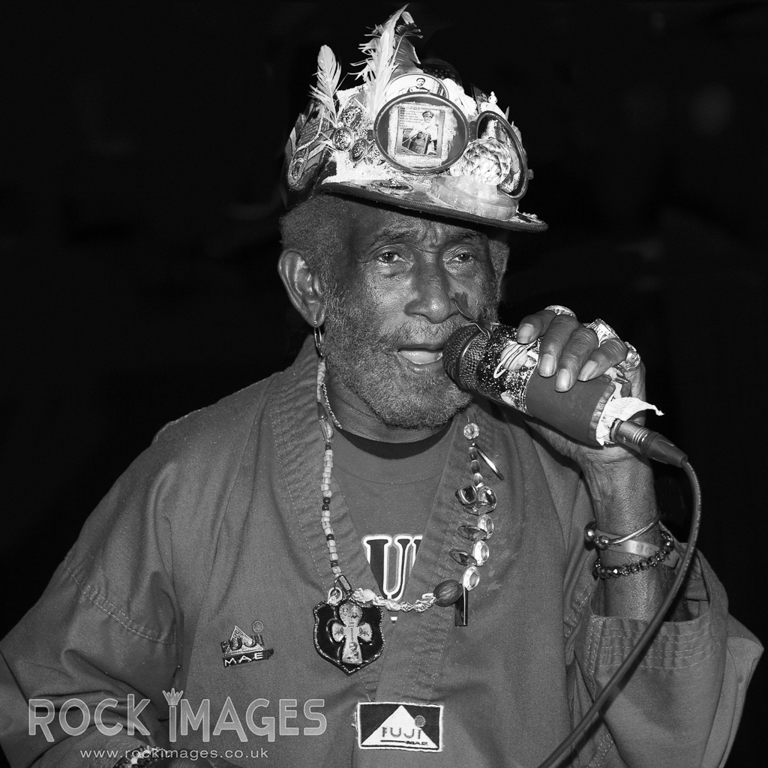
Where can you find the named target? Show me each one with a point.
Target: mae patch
(397, 725)
(242, 648)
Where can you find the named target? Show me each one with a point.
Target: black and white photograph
(382, 384)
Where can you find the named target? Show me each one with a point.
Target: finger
(564, 349)
(535, 325)
(611, 352)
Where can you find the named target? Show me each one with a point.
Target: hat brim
(417, 200)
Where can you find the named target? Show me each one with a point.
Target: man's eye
(388, 257)
(464, 256)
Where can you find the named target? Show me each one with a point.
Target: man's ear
(303, 285)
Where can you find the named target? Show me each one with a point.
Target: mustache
(428, 335)
(349, 326)
(420, 334)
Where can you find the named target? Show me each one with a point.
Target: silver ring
(632, 360)
(559, 309)
(602, 330)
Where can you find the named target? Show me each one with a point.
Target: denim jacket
(217, 526)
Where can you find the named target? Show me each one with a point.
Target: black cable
(650, 630)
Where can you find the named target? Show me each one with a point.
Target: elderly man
(356, 562)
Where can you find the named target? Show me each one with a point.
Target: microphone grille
(462, 353)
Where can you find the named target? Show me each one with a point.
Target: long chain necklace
(348, 624)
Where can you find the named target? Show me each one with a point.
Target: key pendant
(347, 634)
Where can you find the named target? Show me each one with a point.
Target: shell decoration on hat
(407, 134)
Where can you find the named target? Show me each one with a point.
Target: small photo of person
(422, 139)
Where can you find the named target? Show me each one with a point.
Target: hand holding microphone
(577, 379)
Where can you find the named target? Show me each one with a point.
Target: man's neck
(356, 417)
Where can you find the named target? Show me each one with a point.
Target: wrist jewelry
(603, 540)
(665, 554)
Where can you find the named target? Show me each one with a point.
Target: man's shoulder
(230, 418)
(192, 458)
(233, 416)
(206, 447)
(192, 462)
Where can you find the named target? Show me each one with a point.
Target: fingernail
(524, 333)
(563, 381)
(547, 365)
(588, 370)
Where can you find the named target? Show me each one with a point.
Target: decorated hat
(409, 135)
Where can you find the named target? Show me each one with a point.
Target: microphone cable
(650, 630)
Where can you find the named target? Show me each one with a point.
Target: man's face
(391, 310)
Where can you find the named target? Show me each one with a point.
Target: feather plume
(406, 59)
(386, 51)
(328, 74)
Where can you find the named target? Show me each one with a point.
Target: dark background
(141, 150)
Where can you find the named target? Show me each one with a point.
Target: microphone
(492, 363)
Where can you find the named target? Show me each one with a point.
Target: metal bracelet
(634, 547)
(603, 540)
(601, 571)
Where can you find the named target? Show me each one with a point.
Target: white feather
(328, 74)
(381, 59)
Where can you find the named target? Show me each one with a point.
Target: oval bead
(447, 593)
(471, 578)
(471, 532)
(358, 150)
(467, 495)
(461, 557)
(485, 523)
(480, 553)
(485, 495)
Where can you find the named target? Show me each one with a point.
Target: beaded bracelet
(660, 556)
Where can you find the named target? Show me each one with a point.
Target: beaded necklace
(348, 624)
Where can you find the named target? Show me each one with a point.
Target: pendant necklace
(348, 623)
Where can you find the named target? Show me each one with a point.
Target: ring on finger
(559, 309)
(602, 330)
(632, 360)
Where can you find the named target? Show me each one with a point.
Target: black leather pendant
(348, 635)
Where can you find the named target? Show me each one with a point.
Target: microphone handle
(505, 371)
(501, 369)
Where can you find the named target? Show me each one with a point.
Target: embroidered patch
(243, 649)
(395, 725)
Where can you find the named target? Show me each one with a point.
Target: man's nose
(431, 293)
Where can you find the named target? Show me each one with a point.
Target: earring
(318, 332)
